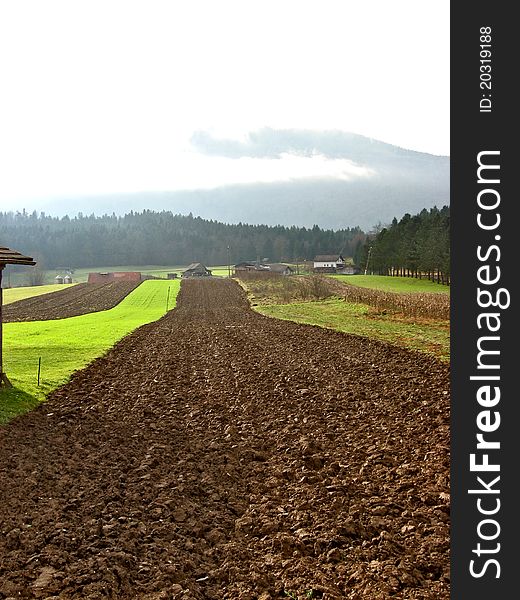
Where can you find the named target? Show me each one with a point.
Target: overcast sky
(104, 96)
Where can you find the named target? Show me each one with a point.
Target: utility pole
(228, 262)
(368, 258)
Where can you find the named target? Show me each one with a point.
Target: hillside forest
(415, 245)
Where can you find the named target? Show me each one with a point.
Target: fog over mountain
(379, 181)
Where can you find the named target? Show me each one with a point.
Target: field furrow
(219, 453)
(72, 301)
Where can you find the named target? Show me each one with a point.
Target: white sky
(103, 95)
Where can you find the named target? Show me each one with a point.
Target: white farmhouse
(329, 263)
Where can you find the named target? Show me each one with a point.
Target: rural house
(196, 270)
(329, 263)
(332, 263)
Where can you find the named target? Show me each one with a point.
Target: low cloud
(275, 143)
(214, 171)
(269, 155)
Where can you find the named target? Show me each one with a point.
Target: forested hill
(162, 238)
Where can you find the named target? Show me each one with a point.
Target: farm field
(393, 284)
(418, 321)
(66, 345)
(21, 293)
(72, 301)
(219, 453)
(425, 335)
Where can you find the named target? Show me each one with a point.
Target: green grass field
(220, 271)
(430, 336)
(20, 293)
(67, 345)
(393, 284)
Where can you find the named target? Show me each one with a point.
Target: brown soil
(218, 453)
(69, 302)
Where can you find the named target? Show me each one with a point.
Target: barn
(114, 276)
(196, 270)
(280, 269)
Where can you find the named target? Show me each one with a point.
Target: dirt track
(69, 302)
(221, 454)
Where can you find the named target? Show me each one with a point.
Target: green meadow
(430, 336)
(393, 284)
(66, 345)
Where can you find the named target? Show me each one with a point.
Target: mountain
(400, 181)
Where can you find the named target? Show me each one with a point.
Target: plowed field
(70, 302)
(218, 453)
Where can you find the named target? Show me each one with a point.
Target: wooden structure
(8, 257)
(114, 276)
(196, 270)
(280, 268)
(257, 267)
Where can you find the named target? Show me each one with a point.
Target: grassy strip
(67, 345)
(393, 284)
(21, 293)
(430, 336)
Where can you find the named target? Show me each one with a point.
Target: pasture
(425, 335)
(401, 285)
(418, 321)
(21, 293)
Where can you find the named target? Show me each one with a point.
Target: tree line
(164, 238)
(415, 246)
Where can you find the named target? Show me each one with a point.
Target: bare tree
(36, 275)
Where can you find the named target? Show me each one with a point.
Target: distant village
(325, 263)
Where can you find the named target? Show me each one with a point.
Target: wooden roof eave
(11, 261)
